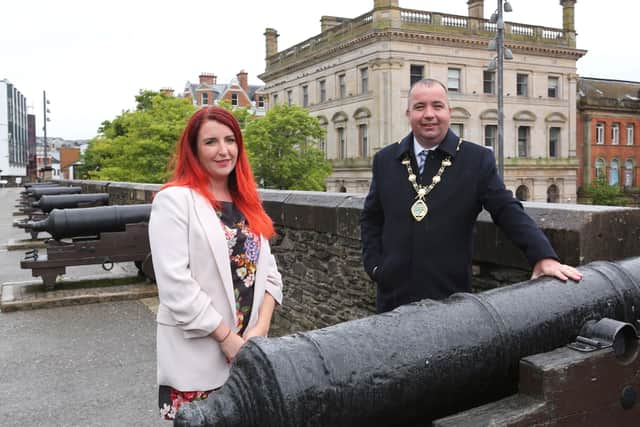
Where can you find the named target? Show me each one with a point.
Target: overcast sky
(92, 58)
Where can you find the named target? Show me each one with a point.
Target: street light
(45, 103)
(497, 64)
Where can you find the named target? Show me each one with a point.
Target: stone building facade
(355, 76)
(608, 124)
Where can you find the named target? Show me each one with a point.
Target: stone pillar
(568, 21)
(572, 80)
(271, 39)
(386, 13)
(476, 8)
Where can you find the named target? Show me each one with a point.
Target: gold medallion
(419, 210)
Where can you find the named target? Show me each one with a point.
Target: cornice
(437, 39)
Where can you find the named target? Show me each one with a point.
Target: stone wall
(318, 248)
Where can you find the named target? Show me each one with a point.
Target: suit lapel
(210, 223)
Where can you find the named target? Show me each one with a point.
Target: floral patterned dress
(244, 248)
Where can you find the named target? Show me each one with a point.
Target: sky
(92, 58)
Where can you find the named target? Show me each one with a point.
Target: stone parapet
(319, 252)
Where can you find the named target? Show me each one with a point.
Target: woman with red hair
(218, 283)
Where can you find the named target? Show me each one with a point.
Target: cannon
(97, 235)
(36, 193)
(47, 203)
(417, 363)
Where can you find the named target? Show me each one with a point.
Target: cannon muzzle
(47, 203)
(417, 363)
(62, 223)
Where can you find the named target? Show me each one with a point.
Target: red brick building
(608, 123)
(238, 92)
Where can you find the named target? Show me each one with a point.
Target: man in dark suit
(418, 218)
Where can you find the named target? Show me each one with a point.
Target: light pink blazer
(195, 288)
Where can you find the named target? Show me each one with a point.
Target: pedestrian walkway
(66, 360)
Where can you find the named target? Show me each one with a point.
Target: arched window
(599, 168)
(614, 177)
(522, 193)
(628, 173)
(553, 195)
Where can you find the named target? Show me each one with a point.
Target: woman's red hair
(189, 173)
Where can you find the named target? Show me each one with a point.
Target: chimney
(568, 20)
(207, 78)
(476, 8)
(242, 79)
(167, 91)
(271, 37)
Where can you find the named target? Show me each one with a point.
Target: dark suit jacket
(432, 258)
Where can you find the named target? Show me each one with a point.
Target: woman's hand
(257, 331)
(230, 346)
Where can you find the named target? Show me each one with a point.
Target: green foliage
(283, 149)
(601, 193)
(137, 145)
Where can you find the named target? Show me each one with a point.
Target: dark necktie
(422, 157)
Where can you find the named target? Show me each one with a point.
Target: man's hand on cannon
(553, 268)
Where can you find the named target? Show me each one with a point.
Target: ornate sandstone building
(355, 76)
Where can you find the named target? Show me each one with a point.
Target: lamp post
(45, 104)
(497, 64)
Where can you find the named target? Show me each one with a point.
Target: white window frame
(600, 133)
(454, 79)
(615, 133)
(555, 87)
(630, 132)
(520, 85)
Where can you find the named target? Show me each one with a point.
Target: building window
(458, 129)
(599, 168)
(629, 134)
(599, 133)
(523, 141)
(628, 173)
(554, 141)
(553, 195)
(553, 88)
(342, 144)
(522, 84)
(363, 140)
(305, 96)
(614, 178)
(489, 82)
(205, 98)
(289, 97)
(453, 81)
(615, 133)
(342, 86)
(490, 136)
(415, 74)
(275, 99)
(234, 99)
(322, 86)
(522, 193)
(261, 102)
(364, 79)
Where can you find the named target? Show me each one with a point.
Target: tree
(601, 193)
(283, 150)
(137, 145)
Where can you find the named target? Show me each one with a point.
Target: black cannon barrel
(63, 223)
(36, 193)
(417, 363)
(47, 203)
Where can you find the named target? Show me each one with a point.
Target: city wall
(318, 247)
